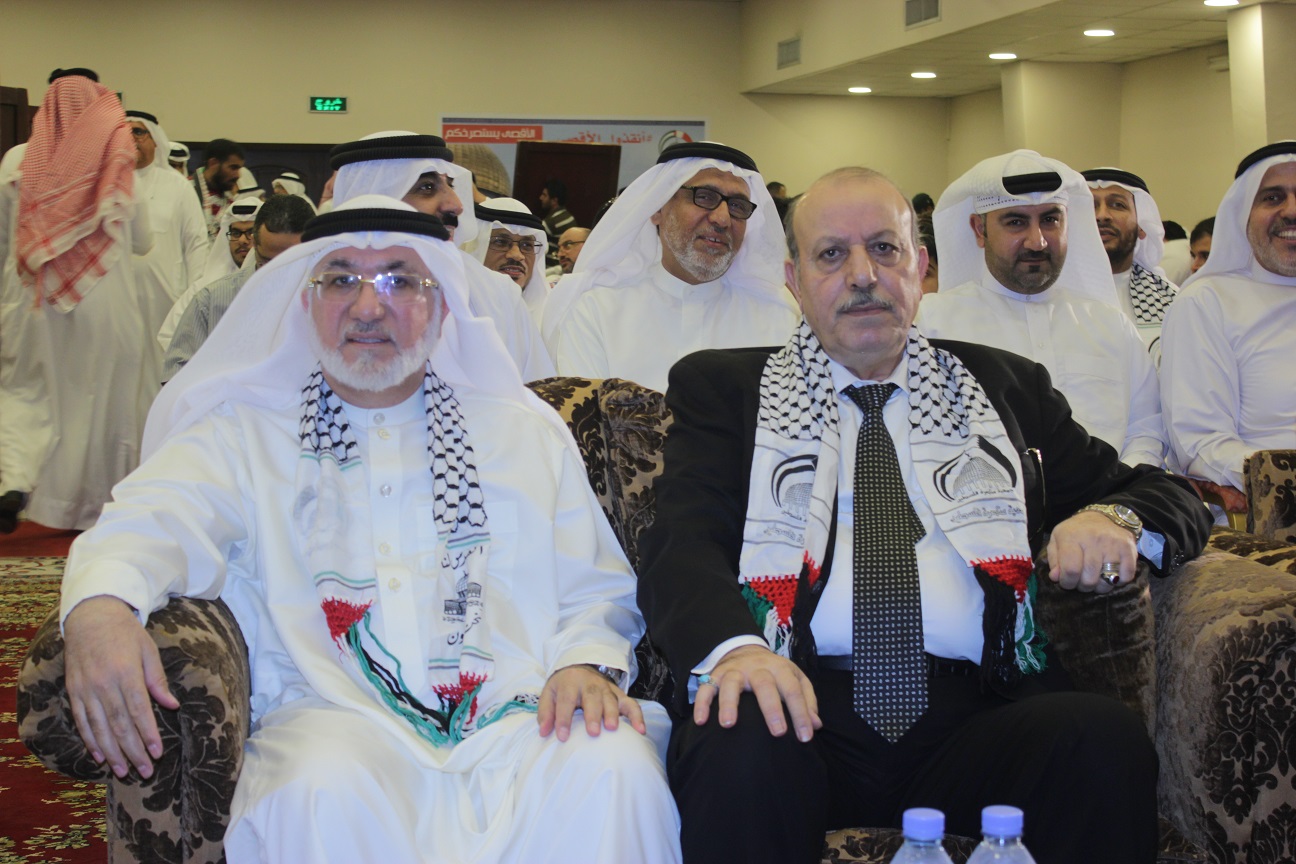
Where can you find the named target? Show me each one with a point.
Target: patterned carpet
(43, 817)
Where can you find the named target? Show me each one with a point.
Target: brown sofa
(1208, 656)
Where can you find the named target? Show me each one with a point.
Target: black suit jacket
(688, 585)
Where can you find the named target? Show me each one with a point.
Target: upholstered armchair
(1207, 655)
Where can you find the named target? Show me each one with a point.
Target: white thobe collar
(992, 285)
(685, 292)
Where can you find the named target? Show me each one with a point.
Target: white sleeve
(1145, 435)
(578, 343)
(1200, 390)
(173, 526)
(599, 621)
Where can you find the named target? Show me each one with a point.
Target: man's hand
(1082, 544)
(112, 667)
(603, 703)
(775, 680)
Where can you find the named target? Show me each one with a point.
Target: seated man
(1133, 236)
(1228, 376)
(686, 258)
(1023, 268)
(409, 543)
(512, 241)
(922, 467)
(276, 227)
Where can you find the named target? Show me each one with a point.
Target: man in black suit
(930, 473)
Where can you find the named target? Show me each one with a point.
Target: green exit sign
(328, 104)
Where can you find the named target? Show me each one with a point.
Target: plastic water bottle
(1002, 829)
(923, 830)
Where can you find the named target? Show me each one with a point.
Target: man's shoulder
(989, 363)
(740, 366)
(224, 287)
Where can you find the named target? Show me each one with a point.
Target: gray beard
(704, 267)
(370, 375)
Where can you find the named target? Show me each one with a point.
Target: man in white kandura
(1228, 380)
(408, 540)
(1129, 223)
(1022, 268)
(689, 257)
(511, 240)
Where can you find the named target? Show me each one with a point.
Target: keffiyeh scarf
(968, 469)
(1150, 295)
(332, 519)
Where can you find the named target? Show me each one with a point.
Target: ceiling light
(1100, 32)
(859, 89)
(1003, 56)
(1221, 2)
(922, 74)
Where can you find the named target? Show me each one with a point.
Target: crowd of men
(440, 620)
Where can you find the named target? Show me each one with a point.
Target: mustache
(866, 299)
(450, 220)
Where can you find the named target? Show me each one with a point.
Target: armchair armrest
(1226, 662)
(182, 811)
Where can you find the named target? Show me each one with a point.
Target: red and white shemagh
(76, 191)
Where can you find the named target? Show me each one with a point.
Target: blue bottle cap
(924, 823)
(1001, 821)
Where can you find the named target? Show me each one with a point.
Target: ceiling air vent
(921, 12)
(789, 52)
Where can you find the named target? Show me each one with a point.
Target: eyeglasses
(709, 199)
(526, 245)
(396, 289)
(236, 234)
(567, 244)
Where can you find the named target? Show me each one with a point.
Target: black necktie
(890, 672)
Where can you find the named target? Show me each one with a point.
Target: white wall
(976, 131)
(1176, 132)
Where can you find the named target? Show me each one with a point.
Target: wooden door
(589, 171)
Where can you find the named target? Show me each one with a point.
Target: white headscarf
(219, 260)
(624, 245)
(263, 357)
(1150, 248)
(162, 149)
(248, 185)
(1086, 271)
(178, 154)
(536, 290)
(1230, 251)
(395, 177)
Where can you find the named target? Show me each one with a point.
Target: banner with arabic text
(641, 140)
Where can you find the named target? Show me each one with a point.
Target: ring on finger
(1110, 573)
(706, 679)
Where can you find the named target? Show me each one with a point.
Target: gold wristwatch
(1121, 515)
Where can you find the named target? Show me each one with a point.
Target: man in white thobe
(1228, 380)
(689, 257)
(1023, 269)
(87, 331)
(408, 540)
(1129, 223)
(179, 252)
(419, 170)
(504, 227)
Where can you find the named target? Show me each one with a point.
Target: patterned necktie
(890, 672)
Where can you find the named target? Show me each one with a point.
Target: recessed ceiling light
(1221, 2)
(1003, 56)
(922, 74)
(859, 89)
(1100, 32)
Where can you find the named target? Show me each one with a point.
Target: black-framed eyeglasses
(568, 244)
(236, 234)
(709, 199)
(526, 245)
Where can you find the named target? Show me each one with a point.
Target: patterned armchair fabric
(1270, 477)
(1207, 656)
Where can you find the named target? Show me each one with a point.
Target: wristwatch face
(1127, 515)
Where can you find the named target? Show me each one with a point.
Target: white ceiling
(1055, 33)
